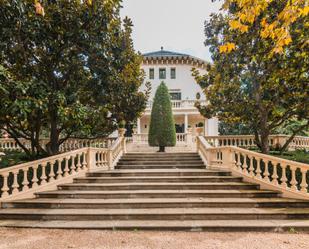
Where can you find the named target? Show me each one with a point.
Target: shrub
(162, 130)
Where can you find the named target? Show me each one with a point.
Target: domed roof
(164, 55)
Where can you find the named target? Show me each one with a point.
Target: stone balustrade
(21, 181)
(289, 177)
(181, 138)
(9, 144)
(300, 142)
(247, 141)
(179, 104)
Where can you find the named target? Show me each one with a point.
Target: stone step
(161, 157)
(158, 172)
(82, 194)
(155, 159)
(159, 186)
(158, 166)
(162, 154)
(156, 214)
(170, 162)
(169, 225)
(158, 203)
(150, 179)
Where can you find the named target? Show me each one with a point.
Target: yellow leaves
(305, 11)
(39, 10)
(227, 47)
(277, 30)
(89, 2)
(234, 24)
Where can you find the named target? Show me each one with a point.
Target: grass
(301, 156)
(12, 158)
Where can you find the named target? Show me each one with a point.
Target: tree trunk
(285, 146)
(264, 143)
(53, 145)
(161, 149)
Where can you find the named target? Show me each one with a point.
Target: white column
(206, 126)
(186, 123)
(138, 126)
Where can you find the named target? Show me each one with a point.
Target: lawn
(301, 156)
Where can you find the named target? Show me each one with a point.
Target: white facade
(183, 83)
(182, 87)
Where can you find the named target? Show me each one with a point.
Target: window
(151, 73)
(173, 73)
(175, 95)
(162, 73)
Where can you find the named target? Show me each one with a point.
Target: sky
(176, 25)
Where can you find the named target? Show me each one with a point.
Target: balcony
(179, 104)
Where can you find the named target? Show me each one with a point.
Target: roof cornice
(167, 57)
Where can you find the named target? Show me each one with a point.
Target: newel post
(198, 144)
(110, 159)
(228, 158)
(124, 145)
(91, 158)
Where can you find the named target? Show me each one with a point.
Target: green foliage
(12, 158)
(200, 124)
(301, 156)
(162, 130)
(234, 129)
(247, 86)
(71, 72)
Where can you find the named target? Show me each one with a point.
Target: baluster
(304, 185)
(84, 163)
(59, 171)
(275, 175)
(234, 157)
(266, 171)
(105, 159)
(25, 180)
(251, 168)
(72, 167)
(97, 163)
(283, 178)
(15, 182)
(245, 165)
(258, 168)
(78, 165)
(238, 162)
(101, 159)
(5, 187)
(293, 179)
(35, 177)
(66, 167)
(52, 172)
(43, 177)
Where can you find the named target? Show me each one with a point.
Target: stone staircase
(171, 191)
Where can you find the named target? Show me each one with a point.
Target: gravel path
(89, 239)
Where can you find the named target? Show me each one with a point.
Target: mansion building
(174, 69)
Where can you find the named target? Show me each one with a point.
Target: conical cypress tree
(162, 130)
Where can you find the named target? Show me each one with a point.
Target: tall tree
(162, 131)
(70, 51)
(247, 85)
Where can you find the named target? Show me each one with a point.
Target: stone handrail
(286, 176)
(9, 144)
(143, 138)
(177, 104)
(21, 181)
(246, 141)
